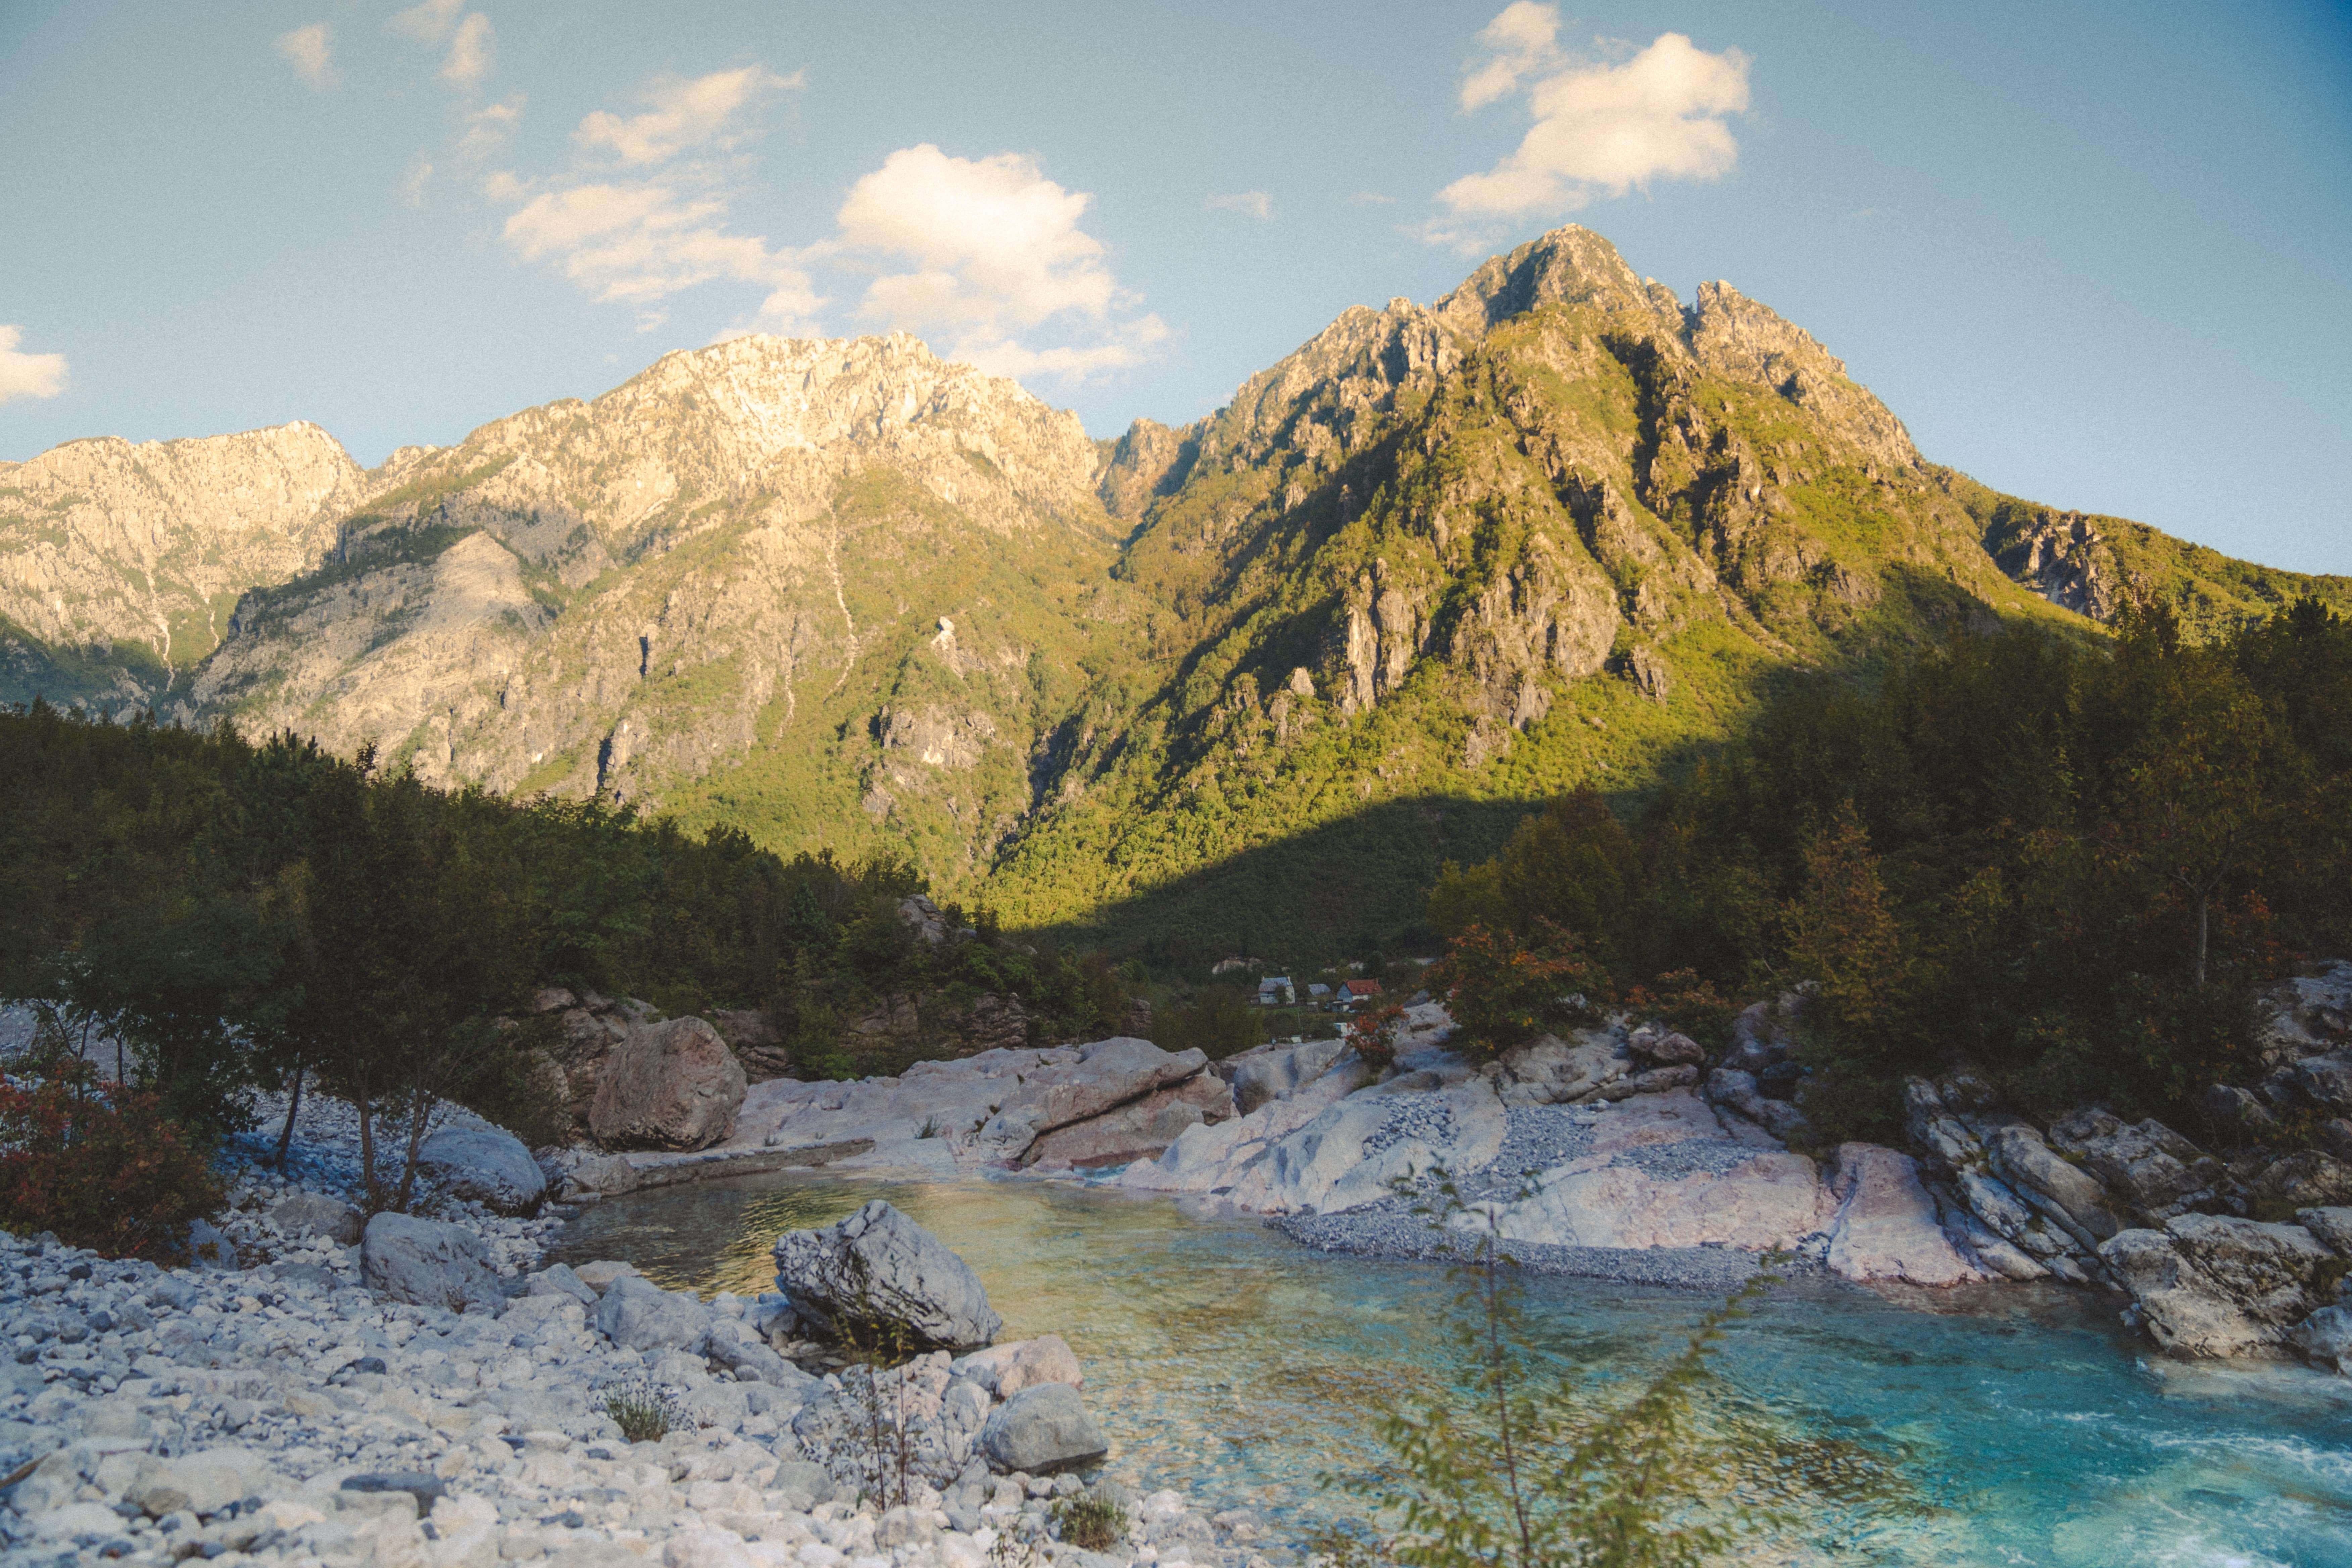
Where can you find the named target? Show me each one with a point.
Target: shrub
(642, 1411)
(1504, 991)
(1092, 1520)
(100, 1165)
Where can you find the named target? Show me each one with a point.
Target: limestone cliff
(120, 562)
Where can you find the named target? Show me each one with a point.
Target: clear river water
(2026, 1425)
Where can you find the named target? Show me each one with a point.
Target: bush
(642, 1411)
(1092, 1520)
(100, 1165)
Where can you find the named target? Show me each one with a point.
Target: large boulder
(1108, 1073)
(577, 1174)
(672, 1084)
(429, 1264)
(2065, 1192)
(1548, 1071)
(637, 1314)
(1886, 1226)
(1268, 1072)
(2148, 1167)
(2304, 1016)
(2307, 1179)
(1139, 1130)
(2324, 1339)
(1005, 1370)
(2211, 1285)
(488, 1165)
(2326, 1078)
(879, 1277)
(312, 1213)
(1042, 1430)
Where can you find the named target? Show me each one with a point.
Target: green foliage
(239, 913)
(2067, 864)
(98, 1164)
(1217, 1022)
(1092, 1521)
(1505, 990)
(642, 1411)
(1522, 1465)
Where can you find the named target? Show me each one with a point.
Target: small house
(1319, 993)
(1355, 993)
(1276, 991)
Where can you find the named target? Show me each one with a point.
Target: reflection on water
(1226, 1361)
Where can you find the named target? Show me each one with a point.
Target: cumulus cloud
(431, 23)
(1600, 128)
(978, 253)
(413, 183)
(306, 47)
(1257, 203)
(987, 259)
(487, 128)
(682, 115)
(1522, 41)
(27, 375)
(664, 228)
(469, 53)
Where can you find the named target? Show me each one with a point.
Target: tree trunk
(421, 1113)
(2204, 909)
(367, 1148)
(293, 1104)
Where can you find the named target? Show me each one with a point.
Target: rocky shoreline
(305, 1394)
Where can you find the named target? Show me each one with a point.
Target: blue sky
(2097, 255)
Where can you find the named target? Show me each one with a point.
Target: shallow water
(1223, 1359)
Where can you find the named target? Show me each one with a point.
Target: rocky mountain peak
(143, 547)
(1734, 336)
(1570, 265)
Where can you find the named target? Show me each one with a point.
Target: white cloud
(1599, 129)
(682, 114)
(1257, 203)
(27, 375)
(984, 258)
(469, 53)
(1522, 40)
(975, 251)
(432, 22)
(413, 183)
(306, 47)
(487, 129)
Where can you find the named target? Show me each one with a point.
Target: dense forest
(2069, 864)
(235, 913)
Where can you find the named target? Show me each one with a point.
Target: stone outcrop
(487, 1164)
(2214, 1285)
(427, 1262)
(1043, 1430)
(673, 1085)
(877, 1279)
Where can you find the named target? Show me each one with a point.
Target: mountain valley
(1263, 673)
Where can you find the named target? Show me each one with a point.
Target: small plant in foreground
(1520, 1468)
(1092, 1520)
(642, 1411)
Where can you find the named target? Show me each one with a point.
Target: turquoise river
(2019, 1425)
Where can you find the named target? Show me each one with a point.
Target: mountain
(1556, 529)
(120, 564)
(1244, 682)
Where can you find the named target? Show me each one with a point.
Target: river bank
(279, 1402)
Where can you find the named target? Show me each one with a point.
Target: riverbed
(2010, 1425)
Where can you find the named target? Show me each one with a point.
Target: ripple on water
(1223, 1359)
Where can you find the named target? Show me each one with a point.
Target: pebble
(273, 1411)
